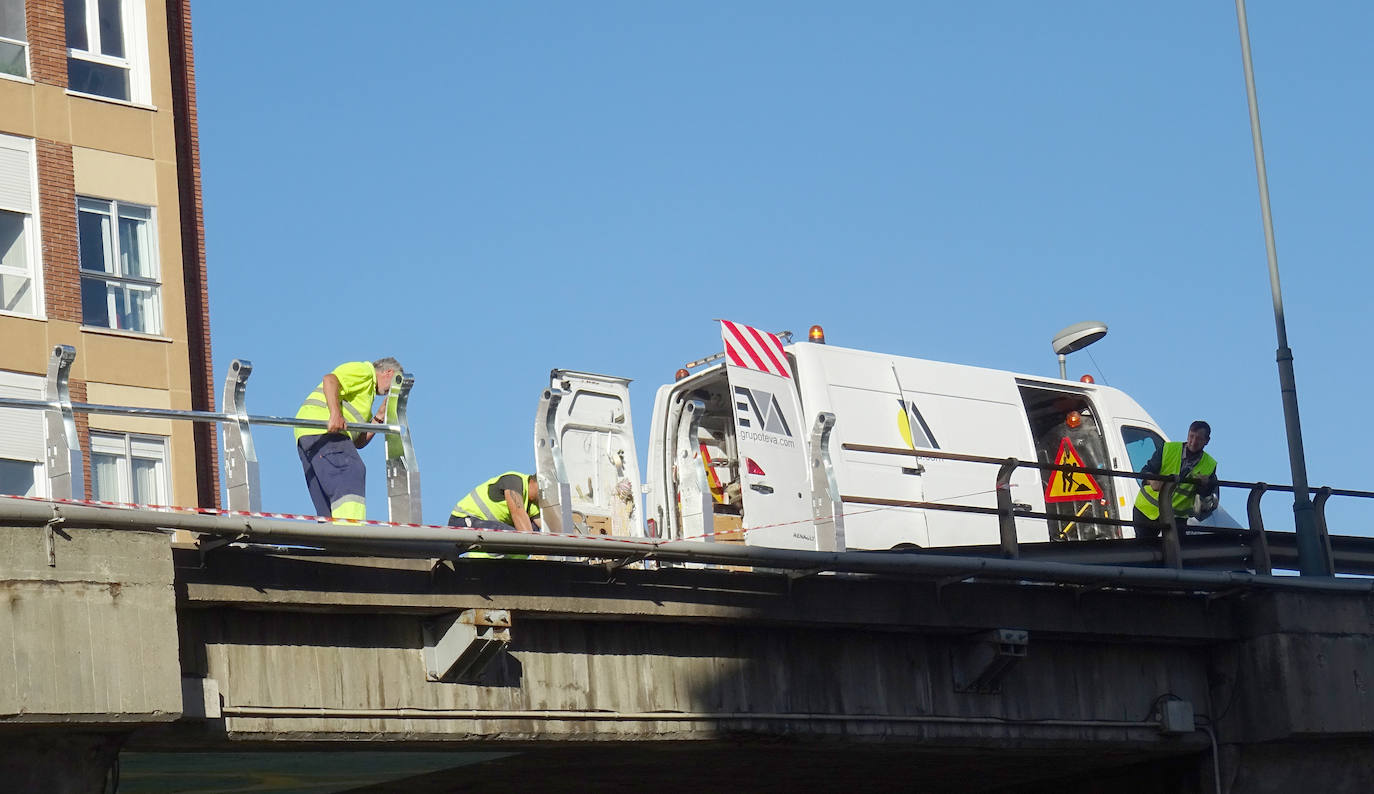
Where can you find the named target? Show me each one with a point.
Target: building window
(14, 39)
(106, 48)
(18, 234)
(119, 276)
(129, 468)
(18, 477)
(21, 438)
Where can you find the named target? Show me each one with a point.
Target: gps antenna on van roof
(1074, 338)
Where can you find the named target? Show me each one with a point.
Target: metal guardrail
(1255, 536)
(66, 468)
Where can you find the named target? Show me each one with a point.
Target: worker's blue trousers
(335, 475)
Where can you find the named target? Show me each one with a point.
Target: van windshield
(1141, 445)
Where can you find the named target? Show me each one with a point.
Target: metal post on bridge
(66, 471)
(827, 509)
(1169, 533)
(242, 484)
(1259, 543)
(1006, 516)
(402, 470)
(555, 493)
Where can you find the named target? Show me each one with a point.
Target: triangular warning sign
(1071, 486)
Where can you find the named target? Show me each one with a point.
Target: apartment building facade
(101, 243)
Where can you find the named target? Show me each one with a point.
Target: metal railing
(1254, 536)
(243, 488)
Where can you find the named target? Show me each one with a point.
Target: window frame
(134, 25)
(27, 76)
(1126, 445)
(32, 243)
(110, 208)
(127, 447)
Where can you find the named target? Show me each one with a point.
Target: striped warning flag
(753, 349)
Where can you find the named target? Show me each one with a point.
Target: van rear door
(774, 468)
(585, 449)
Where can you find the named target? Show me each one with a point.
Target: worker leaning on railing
(334, 470)
(1198, 473)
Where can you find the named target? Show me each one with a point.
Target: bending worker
(334, 470)
(511, 499)
(1187, 460)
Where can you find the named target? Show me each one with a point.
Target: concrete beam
(90, 638)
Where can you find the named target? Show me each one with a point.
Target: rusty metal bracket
(49, 530)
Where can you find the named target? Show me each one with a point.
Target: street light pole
(1314, 548)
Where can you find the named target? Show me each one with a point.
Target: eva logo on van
(756, 408)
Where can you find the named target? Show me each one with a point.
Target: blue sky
(491, 190)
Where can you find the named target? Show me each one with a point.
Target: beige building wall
(124, 151)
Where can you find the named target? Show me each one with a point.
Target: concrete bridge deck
(675, 678)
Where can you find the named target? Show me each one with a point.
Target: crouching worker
(334, 470)
(511, 499)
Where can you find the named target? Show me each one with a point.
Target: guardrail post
(826, 508)
(1006, 518)
(555, 493)
(1259, 543)
(1173, 551)
(66, 471)
(242, 483)
(698, 517)
(1323, 537)
(402, 468)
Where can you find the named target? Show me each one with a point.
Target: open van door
(585, 451)
(774, 467)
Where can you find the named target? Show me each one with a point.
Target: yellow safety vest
(479, 504)
(357, 390)
(1171, 462)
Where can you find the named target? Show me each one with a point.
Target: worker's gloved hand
(1204, 506)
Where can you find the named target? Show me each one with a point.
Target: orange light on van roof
(1074, 419)
(816, 334)
(1087, 379)
(681, 373)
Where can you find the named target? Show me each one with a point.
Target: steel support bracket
(612, 566)
(459, 646)
(49, 530)
(980, 666)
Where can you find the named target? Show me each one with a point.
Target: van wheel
(905, 547)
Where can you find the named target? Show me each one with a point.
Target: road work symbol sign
(1071, 486)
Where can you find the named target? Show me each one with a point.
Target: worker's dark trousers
(335, 475)
(1151, 529)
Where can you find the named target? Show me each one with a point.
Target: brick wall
(77, 390)
(47, 41)
(57, 216)
(193, 244)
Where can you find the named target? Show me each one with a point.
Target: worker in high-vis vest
(511, 498)
(334, 470)
(1199, 472)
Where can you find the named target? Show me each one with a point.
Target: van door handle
(917, 469)
(760, 487)
(1022, 506)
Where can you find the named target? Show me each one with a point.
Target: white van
(734, 452)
